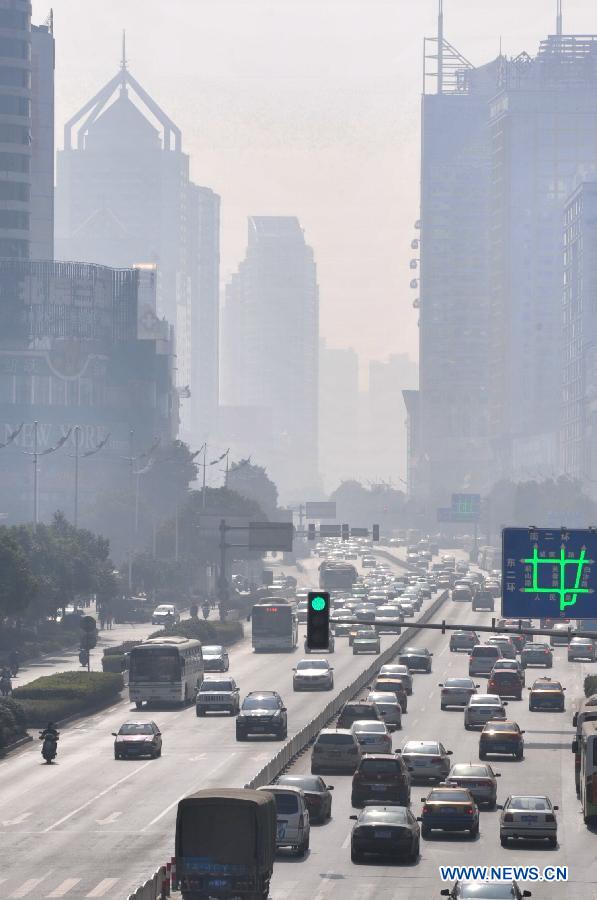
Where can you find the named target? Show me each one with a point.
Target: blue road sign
(549, 573)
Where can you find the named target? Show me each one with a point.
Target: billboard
(270, 535)
(549, 573)
(330, 531)
(320, 510)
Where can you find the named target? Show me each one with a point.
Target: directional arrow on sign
(16, 821)
(109, 819)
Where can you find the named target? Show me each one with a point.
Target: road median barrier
(66, 694)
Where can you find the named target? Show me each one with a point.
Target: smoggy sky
(306, 108)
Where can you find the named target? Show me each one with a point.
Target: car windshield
(484, 700)
(379, 766)
(385, 698)
(136, 728)
(451, 795)
(547, 686)
(212, 651)
(487, 891)
(369, 726)
(336, 739)
(216, 686)
(529, 803)
(384, 816)
(532, 646)
(472, 771)
(501, 726)
(458, 682)
(312, 664)
(421, 747)
(286, 803)
(304, 782)
(260, 703)
(366, 635)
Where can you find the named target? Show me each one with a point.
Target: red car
(134, 739)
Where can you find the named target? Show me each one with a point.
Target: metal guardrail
(303, 738)
(154, 888)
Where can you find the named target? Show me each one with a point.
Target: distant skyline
(302, 107)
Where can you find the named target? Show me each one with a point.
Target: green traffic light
(318, 603)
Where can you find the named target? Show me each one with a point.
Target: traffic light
(311, 531)
(88, 633)
(345, 531)
(376, 532)
(318, 620)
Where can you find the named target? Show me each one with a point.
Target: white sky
(301, 107)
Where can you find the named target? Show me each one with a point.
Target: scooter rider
(49, 736)
(50, 731)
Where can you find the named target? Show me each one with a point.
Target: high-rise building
(124, 196)
(15, 128)
(578, 440)
(42, 142)
(338, 415)
(543, 124)
(451, 452)
(270, 348)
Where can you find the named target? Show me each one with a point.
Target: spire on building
(559, 19)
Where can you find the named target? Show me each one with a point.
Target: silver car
(478, 778)
(215, 658)
(217, 694)
(398, 669)
(335, 750)
(581, 648)
(373, 737)
(389, 707)
(530, 817)
(313, 675)
(483, 707)
(456, 691)
(428, 760)
(536, 654)
(366, 642)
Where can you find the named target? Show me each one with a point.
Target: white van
(293, 827)
(482, 659)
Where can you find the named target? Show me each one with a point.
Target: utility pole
(132, 502)
(35, 455)
(77, 439)
(176, 534)
(204, 465)
(301, 516)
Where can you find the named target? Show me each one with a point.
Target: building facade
(339, 450)
(42, 142)
(270, 348)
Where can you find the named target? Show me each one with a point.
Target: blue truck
(225, 844)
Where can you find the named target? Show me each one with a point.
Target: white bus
(274, 627)
(167, 669)
(587, 745)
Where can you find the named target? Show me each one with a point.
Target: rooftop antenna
(440, 48)
(559, 19)
(123, 69)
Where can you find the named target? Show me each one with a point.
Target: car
(317, 793)
(313, 675)
(456, 691)
(293, 825)
(485, 599)
(343, 624)
(482, 659)
(217, 695)
(582, 648)
(392, 684)
(536, 654)
(505, 683)
(506, 645)
(368, 562)
(335, 749)
(427, 760)
(165, 614)
(357, 710)
(510, 665)
(528, 817)
(463, 640)
(367, 627)
(462, 592)
(483, 707)
(383, 616)
(401, 670)
(389, 706)
(373, 737)
(510, 626)
(215, 658)
(478, 778)
(418, 659)
(135, 739)
(449, 809)
(382, 777)
(331, 645)
(262, 712)
(546, 694)
(562, 638)
(485, 890)
(391, 831)
(503, 737)
(366, 641)
(406, 608)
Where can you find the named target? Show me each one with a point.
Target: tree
(18, 587)
(253, 482)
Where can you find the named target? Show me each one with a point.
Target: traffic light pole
(444, 626)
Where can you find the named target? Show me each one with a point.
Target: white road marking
(27, 887)
(327, 885)
(346, 840)
(197, 758)
(109, 819)
(164, 812)
(16, 821)
(97, 797)
(103, 887)
(64, 888)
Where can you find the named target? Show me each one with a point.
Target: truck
(225, 844)
(337, 576)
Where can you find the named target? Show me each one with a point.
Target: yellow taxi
(546, 694)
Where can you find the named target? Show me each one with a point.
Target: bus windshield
(154, 664)
(271, 620)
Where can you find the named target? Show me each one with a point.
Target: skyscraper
(271, 346)
(124, 197)
(338, 415)
(42, 142)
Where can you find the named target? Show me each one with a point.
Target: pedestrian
(102, 618)
(109, 619)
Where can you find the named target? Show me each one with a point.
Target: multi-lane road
(90, 826)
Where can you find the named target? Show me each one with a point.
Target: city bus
(165, 670)
(586, 625)
(337, 576)
(586, 744)
(587, 712)
(274, 627)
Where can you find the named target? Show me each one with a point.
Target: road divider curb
(154, 888)
(309, 732)
(15, 745)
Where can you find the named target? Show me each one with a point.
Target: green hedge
(12, 722)
(225, 633)
(590, 685)
(112, 662)
(54, 697)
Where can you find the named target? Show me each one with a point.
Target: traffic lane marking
(102, 888)
(109, 819)
(64, 887)
(28, 886)
(97, 797)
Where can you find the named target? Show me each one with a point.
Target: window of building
(15, 162)
(15, 48)
(12, 18)
(14, 248)
(14, 218)
(14, 134)
(13, 77)
(15, 190)
(11, 105)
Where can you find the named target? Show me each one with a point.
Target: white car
(426, 759)
(313, 675)
(483, 707)
(165, 614)
(388, 705)
(373, 737)
(531, 817)
(456, 691)
(293, 827)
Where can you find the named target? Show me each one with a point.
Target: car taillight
(550, 817)
(508, 817)
(301, 821)
(469, 810)
(426, 809)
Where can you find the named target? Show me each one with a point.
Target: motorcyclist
(49, 733)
